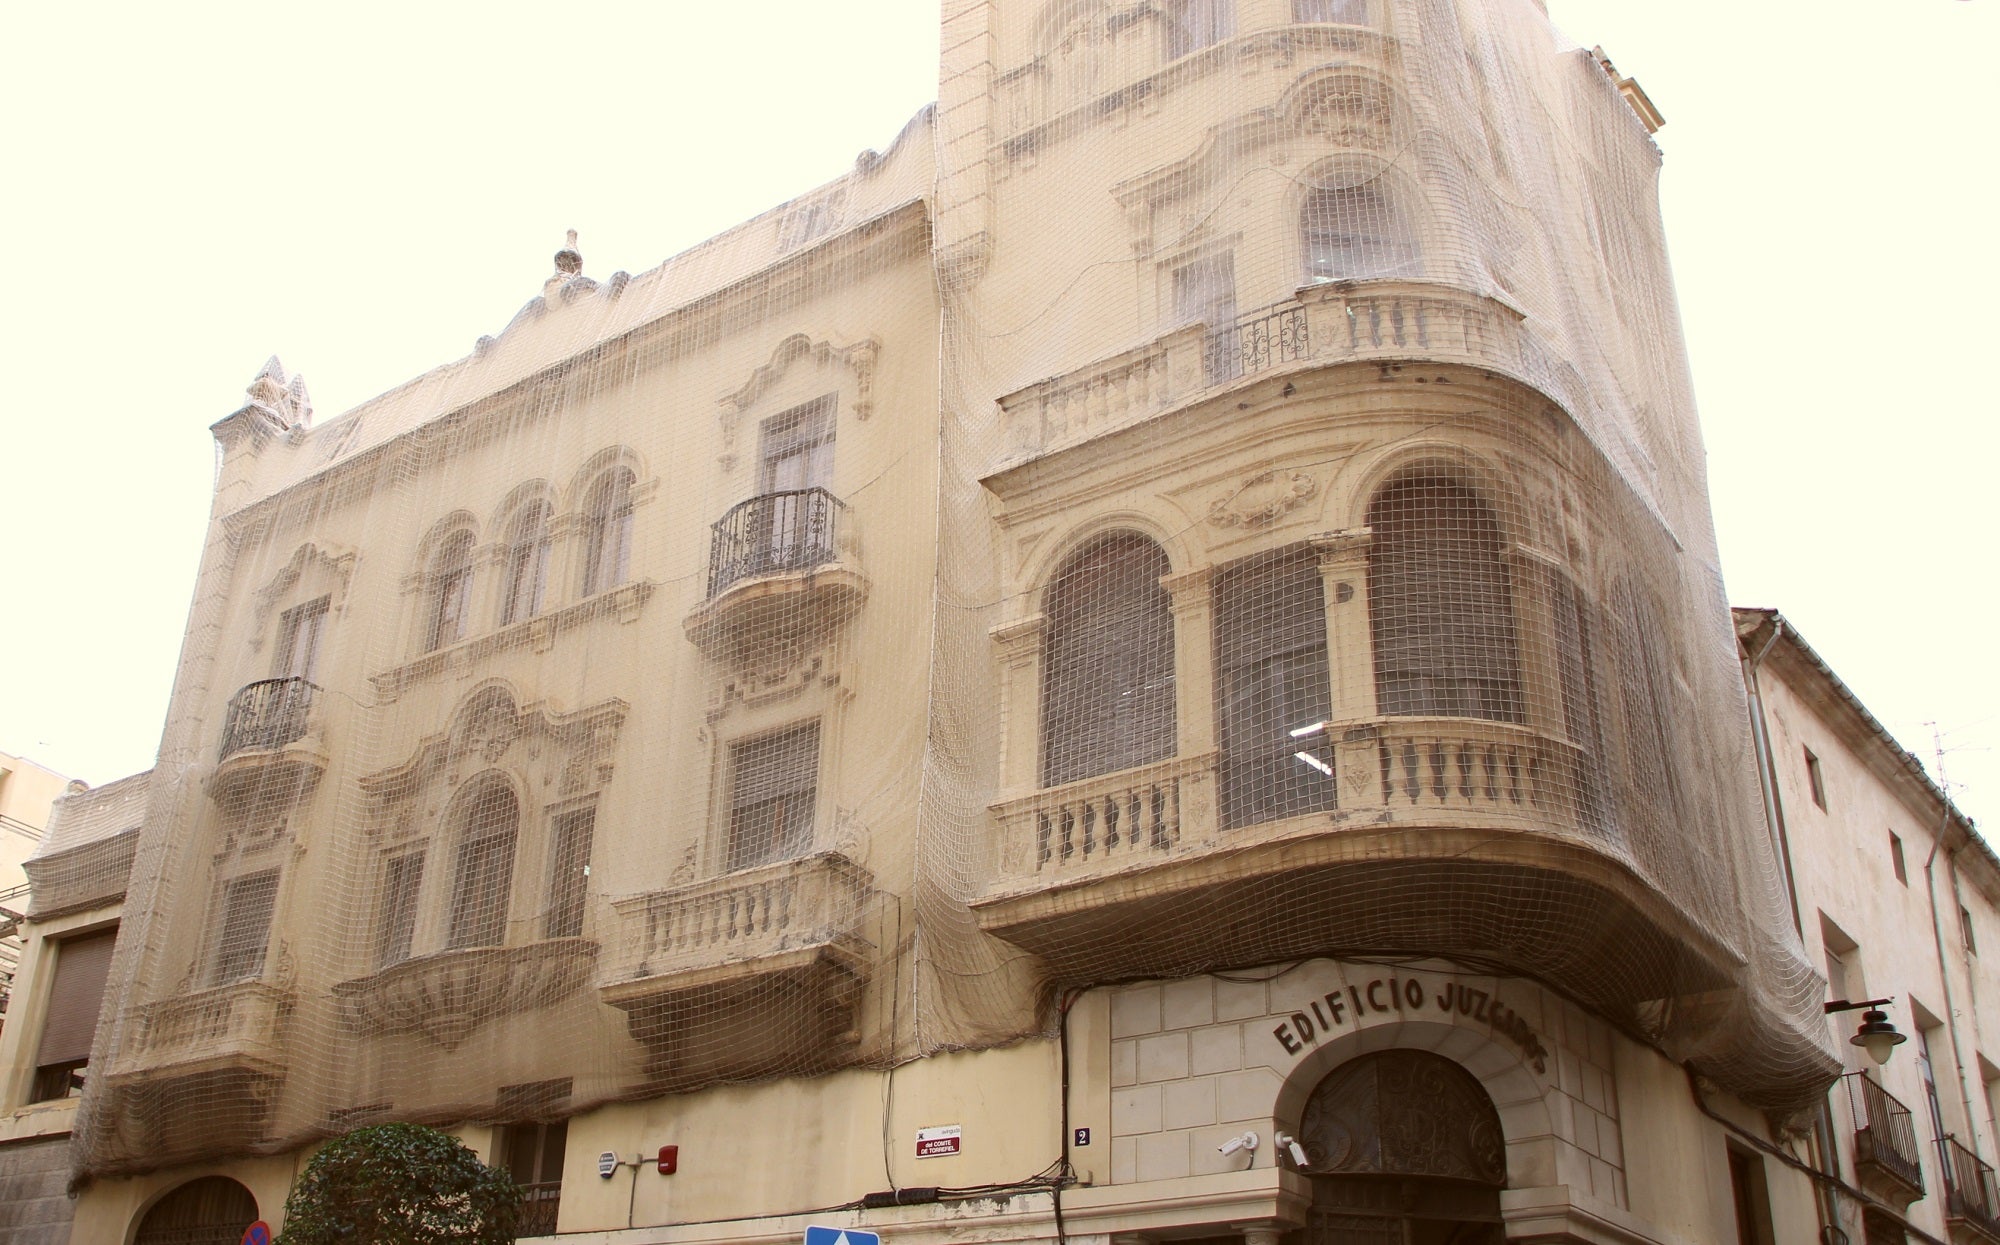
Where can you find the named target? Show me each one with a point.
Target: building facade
(69, 931)
(1148, 663)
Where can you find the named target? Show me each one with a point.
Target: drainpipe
(1972, 1005)
(1767, 774)
(1944, 976)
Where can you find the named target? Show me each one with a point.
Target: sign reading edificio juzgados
(1410, 997)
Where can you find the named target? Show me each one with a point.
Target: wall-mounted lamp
(1876, 1035)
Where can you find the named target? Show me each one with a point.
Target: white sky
(365, 188)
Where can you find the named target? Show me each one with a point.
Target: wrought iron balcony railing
(269, 713)
(1257, 341)
(539, 1203)
(1970, 1192)
(1884, 1132)
(793, 530)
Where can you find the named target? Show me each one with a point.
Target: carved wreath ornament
(1262, 499)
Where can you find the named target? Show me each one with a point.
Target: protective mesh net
(1222, 488)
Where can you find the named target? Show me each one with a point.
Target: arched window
(607, 515)
(213, 1210)
(1108, 668)
(1439, 606)
(527, 563)
(486, 823)
(449, 591)
(1351, 225)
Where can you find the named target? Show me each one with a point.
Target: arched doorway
(213, 1210)
(1404, 1148)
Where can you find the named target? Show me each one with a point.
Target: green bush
(400, 1184)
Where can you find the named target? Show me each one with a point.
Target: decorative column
(1018, 645)
(1193, 608)
(1343, 571)
(1353, 738)
(1530, 583)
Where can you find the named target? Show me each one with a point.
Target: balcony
(204, 1067)
(270, 746)
(1481, 814)
(781, 566)
(745, 974)
(1885, 1140)
(1972, 1199)
(1389, 320)
(446, 995)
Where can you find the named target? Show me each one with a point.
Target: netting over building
(1222, 488)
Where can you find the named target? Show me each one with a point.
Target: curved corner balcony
(746, 974)
(271, 746)
(1387, 320)
(781, 566)
(445, 996)
(1445, 836)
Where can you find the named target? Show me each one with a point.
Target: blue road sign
(817, 1235)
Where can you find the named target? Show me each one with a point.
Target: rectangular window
(532, 1151)
(773, 783)
(1195, 24)
(479, 892)
(1205, 293)
(1965, 931)
(797, 449)
(569, 875)
(402, 878)
(299, 633)
(1271, 680)
(1815, 779)
(83, 964)
(1752, 1198)
(1344, 12)
(1896, 858)
(246, 928)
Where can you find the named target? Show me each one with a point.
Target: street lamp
(1876, 1035)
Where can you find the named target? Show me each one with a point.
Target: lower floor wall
(34, 1191)
(1179, 1094)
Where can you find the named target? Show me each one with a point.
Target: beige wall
(26, 792)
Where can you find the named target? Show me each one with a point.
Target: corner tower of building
(1352, 575)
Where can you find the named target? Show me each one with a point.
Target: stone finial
(568, 279)
(569, 260)
(282, 398)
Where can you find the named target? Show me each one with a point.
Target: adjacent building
(1148, 663)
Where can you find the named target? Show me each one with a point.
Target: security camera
(1290, 1145)
(1248, 1141)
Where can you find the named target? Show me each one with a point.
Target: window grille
(485, 868)
(246, 927)
(1439, 604)
(1271, 679)
(1108, 668)
(773, 783)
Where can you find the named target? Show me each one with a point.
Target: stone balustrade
(1323, 325)
(239, 1023)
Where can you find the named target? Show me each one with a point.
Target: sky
(364, 189)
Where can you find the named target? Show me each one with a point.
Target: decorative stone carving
(860, 357)
(282, 400)
(1262, 499)
(447, 995)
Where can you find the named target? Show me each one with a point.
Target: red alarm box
(670, 1159)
